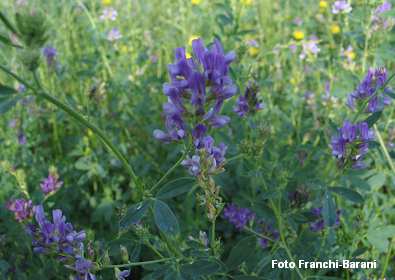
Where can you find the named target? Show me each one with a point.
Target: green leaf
(165, 219)
(201, 268)
(8, 98)
(390, 94)
(4, 266)
(176, 187)
(378, 236)
(241, 252)
(7, 103)
(134, 214)
(349, 194)
(6, 91)
(377, 181)
(7, 23)
(373, 118)
(7, 41)
(329, 210)
(359, 251)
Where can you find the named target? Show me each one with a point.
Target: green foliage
(279, 162)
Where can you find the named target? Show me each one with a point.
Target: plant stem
(259, 234)
(282, 237)
(212, 236)
(386, 261)
(169, 171)
(384, 148)
(134, 264)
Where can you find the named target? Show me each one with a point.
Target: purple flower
(12, 123)
(368, 89)
(50, 55)
(114, 35)
(293, 48)
(82, 267)
(21, 88)
(252, 43)
(22, 138)
(309, 47)
(351, 143)
(197, 91)
(51, 183)
(319, 224)
(209, 158)
(123, 275)
(238, 216)
(109, 14)
(193, 165)
(270, 232)
(248, 103)
(385, 7)
(21, 208)
(198, 88)
(59, 238)
(378, 21)
(341, 7)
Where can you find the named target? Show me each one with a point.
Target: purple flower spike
(22, 138)
(83, 267)
(21, 208)
(248, 103)
(199, 86)
(58, 237)
(51, 184)
(50, 54)
(368, 89)
(238, 216)
(351, 143)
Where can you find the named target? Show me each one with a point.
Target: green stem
(134, 264)
(169, 171)
(259, 234)
(282, 237)
(386, 261)
(384, 148)
(212, 237)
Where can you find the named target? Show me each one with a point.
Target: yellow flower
(335, 29)
(247, 2)
(350, 55)
(106, 2)
(253, 51)
(188, 55)
(193, 37)
(196, 2)
(124, 49)
(323, 4)
(298, 35)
